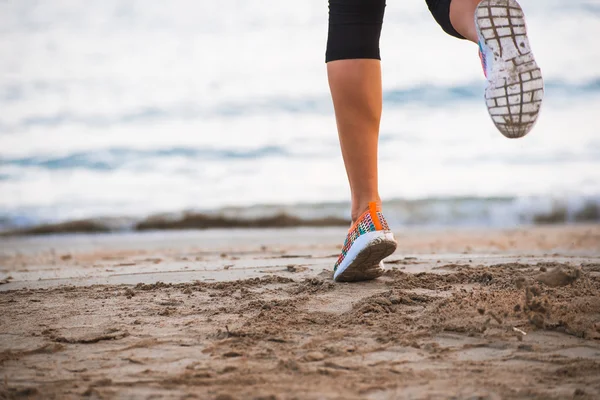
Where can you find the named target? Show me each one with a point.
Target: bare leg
(357, 98)
(354, 72)
(462, 17)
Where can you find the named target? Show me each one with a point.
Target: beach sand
(254, 314)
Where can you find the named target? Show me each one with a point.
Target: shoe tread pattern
(366, 264)
(516, 90)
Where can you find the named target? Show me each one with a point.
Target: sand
(253, 314)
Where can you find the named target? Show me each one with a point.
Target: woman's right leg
(515, 85)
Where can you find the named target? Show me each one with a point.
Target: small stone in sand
(559, 276)
(538, 320)
(225, 397)
(314, 356)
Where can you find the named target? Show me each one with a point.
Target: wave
(433, 212)
(115, 158)
(433, 96)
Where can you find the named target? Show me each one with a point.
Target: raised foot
(515, 85)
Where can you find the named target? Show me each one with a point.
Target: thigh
(354, 29)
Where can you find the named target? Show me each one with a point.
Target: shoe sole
(366, 265)
(516, 88)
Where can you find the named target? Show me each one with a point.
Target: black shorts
(355, 27)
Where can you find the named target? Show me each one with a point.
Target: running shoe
(369, 241)
(515, 86)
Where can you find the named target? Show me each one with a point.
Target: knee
(440, 9)
(354, 29)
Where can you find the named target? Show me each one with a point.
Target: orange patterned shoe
(369, 241)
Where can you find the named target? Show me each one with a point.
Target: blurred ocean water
(129, 108)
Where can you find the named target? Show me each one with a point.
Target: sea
(131, 108)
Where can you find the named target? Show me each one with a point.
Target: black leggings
(355, 27)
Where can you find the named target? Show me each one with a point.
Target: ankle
(360, 206)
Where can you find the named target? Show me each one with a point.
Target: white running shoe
(515, 86)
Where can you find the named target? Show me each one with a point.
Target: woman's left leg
(354, 71)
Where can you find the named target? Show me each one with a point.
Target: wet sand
(222, 314)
